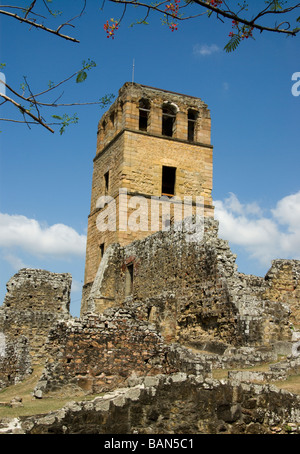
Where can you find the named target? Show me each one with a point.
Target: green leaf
(57, 117)
(233, 43)
(89, 64)
(81, 77)
(106, 100)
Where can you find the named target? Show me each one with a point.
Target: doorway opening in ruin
(129, 280)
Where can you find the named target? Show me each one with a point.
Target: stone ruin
(34, 301)
(186, 312)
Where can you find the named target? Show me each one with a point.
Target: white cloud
(58, 240)
(233, 204)
(264, 237)
(205, 49)
(15, 262)
(225, 86)
(287, 211)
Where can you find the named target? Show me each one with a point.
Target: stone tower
(150, 143)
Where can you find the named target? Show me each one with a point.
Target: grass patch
(223, 373)
(291, 384)
(32, 406)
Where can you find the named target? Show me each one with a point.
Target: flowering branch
(243, 26)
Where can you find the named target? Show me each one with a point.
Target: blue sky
(45, 179)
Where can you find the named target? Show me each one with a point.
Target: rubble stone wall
(282, 283)
(190, 290)
(176, 404)
(100, 352)
(34, 301)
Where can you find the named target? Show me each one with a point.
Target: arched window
(168, 119)
(144, 110)
(192, 118)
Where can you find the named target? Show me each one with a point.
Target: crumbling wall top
(39, 290)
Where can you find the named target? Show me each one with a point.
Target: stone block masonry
(134, 148)
(282, 283)
(34, 301)
(100, 352)
(39, 290)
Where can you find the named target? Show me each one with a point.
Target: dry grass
(31, 405)
(222, 373)
(292, 383)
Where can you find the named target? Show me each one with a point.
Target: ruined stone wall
(34, 301)
(176, 404)
(15, 360)
(282, 283)
(190, 290)
(100, 352)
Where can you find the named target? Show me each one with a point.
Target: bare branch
(30, 8)
(27, 112)
(24, 121)
(40, 26)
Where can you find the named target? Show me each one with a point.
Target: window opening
(106, 181)
(168, 120)
(168, 180)
(101, 247)
(192, 117)
(144, 111)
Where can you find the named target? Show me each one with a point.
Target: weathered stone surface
(99, 352)
(191, 291)
(176, 404)
(134, 159)
(15, 362)
(39, 290)
(34, 301)
(282, 283)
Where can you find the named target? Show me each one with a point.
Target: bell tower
(151, 144)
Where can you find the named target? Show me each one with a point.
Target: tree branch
(228, 14)
(27, 112)
(41, 26)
